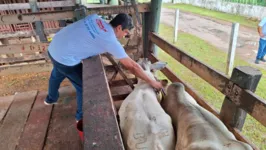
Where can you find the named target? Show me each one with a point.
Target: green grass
(215, 58)
(252, 2)
(214, 14)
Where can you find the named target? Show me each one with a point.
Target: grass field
(214, 14)
(215, 58)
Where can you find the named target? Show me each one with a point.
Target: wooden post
(245, 77)
(176, 25)
(155, 21)
(39, 25)
(232, 48)
(145, 33)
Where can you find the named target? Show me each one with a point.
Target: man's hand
(138, 71)
(156, 84)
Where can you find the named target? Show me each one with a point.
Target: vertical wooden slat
(15, 120)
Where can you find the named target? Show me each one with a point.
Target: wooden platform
(26, 123)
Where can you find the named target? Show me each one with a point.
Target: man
(262, 45)
(85, 38)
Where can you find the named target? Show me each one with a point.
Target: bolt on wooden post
(247, 78)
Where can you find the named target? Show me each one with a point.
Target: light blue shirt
(85, 38)
(263, 25)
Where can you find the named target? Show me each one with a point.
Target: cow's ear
(158, 65)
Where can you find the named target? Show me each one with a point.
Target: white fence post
(232, 48)
(176, 25)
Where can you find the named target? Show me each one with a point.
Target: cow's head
(149, 69)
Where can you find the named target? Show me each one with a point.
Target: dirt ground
(216, 32)
(25, 82)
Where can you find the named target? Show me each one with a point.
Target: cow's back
(196, 127)
(143, 122)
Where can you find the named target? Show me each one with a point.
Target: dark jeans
(262, 49)
(58, 74)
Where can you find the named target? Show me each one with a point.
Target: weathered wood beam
(25, 68)
(24, 48)
(14, 60)
(16, 6)
(26, 33)
(243, 98)
(31, 48)
(174, 78)
(62, 15)
(100, 127)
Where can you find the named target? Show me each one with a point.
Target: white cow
(197, 128)
(144, 124)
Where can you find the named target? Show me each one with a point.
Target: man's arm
(134, 68)
(261, 24)
(260, 31)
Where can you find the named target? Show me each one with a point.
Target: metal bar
(100, 127)
(38, 24)
(155, 21)
(174, 78)
(244, 99)
(62, 15)
(16, 6)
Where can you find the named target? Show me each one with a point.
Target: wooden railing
(240, 97)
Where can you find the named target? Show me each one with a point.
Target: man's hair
(122, 19)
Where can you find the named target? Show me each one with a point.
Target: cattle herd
(175, 123)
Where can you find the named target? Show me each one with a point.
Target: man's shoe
(263, 60)
(49, 103)
(257, 61)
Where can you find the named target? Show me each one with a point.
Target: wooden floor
(26, 123)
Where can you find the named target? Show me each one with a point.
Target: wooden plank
(33, 17)
(244, 99)
(15, 119)
(111, 59)
(173, 78)
(62, 15)
(16, 6)
(26, 33)
(14, 60)
(62, 133)
(101, 130)
(25, 68)
(4, 105)
(35, 130)
(24, 48)
(122, 82)
(30, 48)
(120, 97)
(216, 79)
